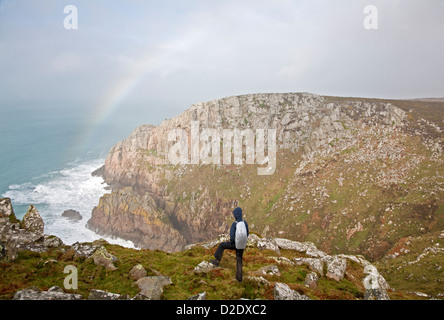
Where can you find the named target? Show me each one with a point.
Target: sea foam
(71, 188)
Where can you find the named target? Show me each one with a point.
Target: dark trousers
(239, 253)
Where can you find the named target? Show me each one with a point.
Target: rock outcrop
(6, 209)
(72, 215)
(133, 216)
(26, 235)
(322, 264)
(282, 291)
(33, 222)
(54, 293)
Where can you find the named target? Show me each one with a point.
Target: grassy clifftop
(31, 259)
(46, 269)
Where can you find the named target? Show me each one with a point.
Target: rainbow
(150, 60)
(116, 95)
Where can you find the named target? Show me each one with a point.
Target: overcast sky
(162, 56)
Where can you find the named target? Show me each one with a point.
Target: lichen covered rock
(103, 258)
(32, 221)
(152, 287)
(6, 209)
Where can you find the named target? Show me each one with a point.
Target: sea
(47, 155)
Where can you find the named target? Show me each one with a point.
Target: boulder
(137, 272)
(311, 280)
(103, 258)
(72, 215)
(152, 287)
(336, 268)
(282, 291)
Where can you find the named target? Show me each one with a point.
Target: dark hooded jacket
(238, 216)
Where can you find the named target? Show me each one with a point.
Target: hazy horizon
(154, 59)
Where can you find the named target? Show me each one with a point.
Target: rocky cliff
(352, 175)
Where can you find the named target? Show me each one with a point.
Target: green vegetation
(417, 266)
(45, 270)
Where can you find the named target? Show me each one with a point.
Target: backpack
(241, 235)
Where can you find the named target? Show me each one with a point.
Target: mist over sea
(46, 159)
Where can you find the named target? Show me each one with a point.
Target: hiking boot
(215, 262)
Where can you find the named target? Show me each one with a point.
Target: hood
(237, 214)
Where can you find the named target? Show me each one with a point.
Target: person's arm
(233, 233)
(246, 226)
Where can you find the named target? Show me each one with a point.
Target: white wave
(71, 188)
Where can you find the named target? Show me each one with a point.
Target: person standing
(238, 239)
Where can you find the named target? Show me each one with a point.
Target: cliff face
(134, 216)
(351, 174)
